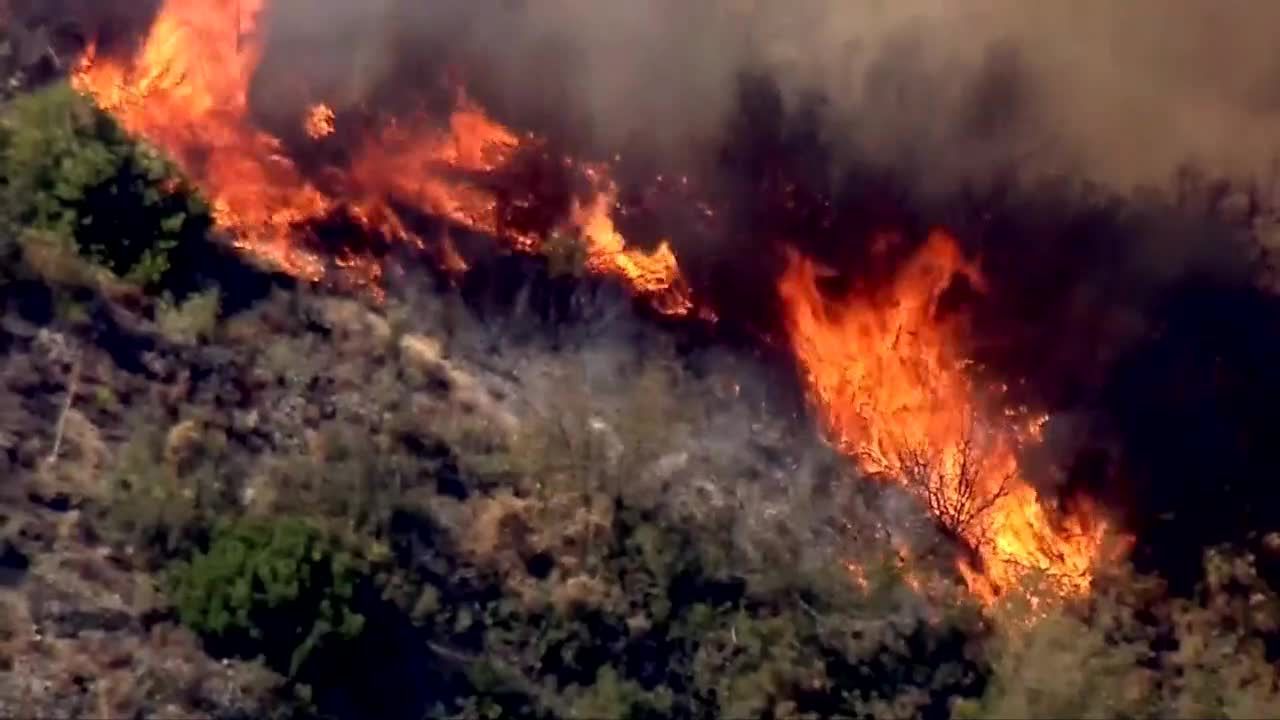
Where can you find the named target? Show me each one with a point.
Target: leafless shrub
(958, 488)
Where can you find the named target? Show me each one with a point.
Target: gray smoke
(1121, 92)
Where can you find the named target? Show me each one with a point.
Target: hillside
(526, 490)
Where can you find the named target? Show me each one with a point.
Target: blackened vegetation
(49, 34)
(1143, 321)
(1192, 406)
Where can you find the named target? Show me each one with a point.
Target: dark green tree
(280, 588)
(72, 176)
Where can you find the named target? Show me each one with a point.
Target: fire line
(882, 371)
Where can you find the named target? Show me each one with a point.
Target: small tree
(280, 588)
(71, 175)
(959, 491)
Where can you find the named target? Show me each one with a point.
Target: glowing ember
(319, 122)
(885, 375)
(186, 92)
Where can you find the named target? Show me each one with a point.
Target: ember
(319, 121)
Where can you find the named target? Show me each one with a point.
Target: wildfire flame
(882, 369)
(654, 274)
(884, 372)
(186, 92)
(320, 121)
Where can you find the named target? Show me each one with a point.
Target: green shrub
(613, 697)
(71, 174)
(354, 481)
(1061, 666)
(192, 320)
(280, 588)
(167, 487)
(148, 503)
(1132, 651)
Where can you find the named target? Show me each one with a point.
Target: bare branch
(73, 384)
(960, 497)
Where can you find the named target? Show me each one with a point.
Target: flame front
(882, 370)
(186, 92)
(884, 373)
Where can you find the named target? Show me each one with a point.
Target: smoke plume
(1123, 93)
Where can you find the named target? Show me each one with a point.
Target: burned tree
(957, 484)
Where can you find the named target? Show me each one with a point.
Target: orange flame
(655, 274)
(883, 371)
(885, 375)
(319, 122)
(186, 92)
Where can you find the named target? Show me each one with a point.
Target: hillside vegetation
(228, 495)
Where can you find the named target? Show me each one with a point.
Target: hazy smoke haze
(1120, 92)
